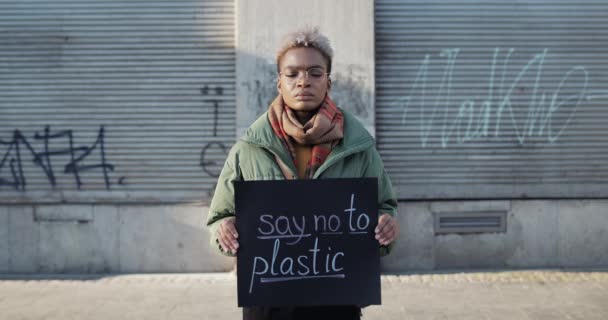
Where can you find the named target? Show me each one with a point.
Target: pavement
(500, 294)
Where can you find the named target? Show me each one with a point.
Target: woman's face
(303, 79)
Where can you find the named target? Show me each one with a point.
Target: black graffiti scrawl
(19, 149)
(210, 165)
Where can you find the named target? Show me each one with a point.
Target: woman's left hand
(387, 230)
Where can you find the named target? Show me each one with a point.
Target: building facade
(116, 117)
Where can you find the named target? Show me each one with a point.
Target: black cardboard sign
(307, 242)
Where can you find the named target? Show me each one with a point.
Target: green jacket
(252, 158)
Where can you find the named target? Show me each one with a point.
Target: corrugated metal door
(493, 99)
(114, 101)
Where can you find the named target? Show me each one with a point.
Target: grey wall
(541, 233)
(106, 238)
(493, 99)
(170, 238)
(157, 227)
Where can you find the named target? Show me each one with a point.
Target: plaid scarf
(323, 131)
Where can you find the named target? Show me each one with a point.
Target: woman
(302, 130)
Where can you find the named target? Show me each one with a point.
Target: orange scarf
(323, 132)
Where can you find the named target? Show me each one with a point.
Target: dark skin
(304, 94)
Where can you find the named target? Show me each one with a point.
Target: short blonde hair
(309, 37)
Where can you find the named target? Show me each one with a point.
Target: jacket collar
(356, 138)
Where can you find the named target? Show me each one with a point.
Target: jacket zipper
(329, 161)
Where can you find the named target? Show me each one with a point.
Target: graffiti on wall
(19, 150)
(444, 120)
(209, 161)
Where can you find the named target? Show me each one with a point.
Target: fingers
(387, 229)
(227, 235)
(383, 223)
(387, 237)
(230, 227)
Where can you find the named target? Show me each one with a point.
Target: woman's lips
(304, 96)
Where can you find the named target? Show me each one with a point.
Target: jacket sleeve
(222, 204)
(387, 200)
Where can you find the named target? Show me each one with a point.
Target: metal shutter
(493, 99)
(138, 98)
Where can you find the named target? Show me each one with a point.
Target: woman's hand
(227, 235)
(387, 230)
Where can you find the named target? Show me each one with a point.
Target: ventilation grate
(470, 222)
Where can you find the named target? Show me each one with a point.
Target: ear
(279, 84)
(328, 83)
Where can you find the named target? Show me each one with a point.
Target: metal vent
(470, 222)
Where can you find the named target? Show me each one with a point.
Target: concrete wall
(104, 238)
(260, 28)
(173, 238)
(542, 233)
(547, 233)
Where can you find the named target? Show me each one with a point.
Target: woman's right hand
(227, 235)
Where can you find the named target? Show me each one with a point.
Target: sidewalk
(537, 294)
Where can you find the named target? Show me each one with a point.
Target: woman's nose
(303, 79)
